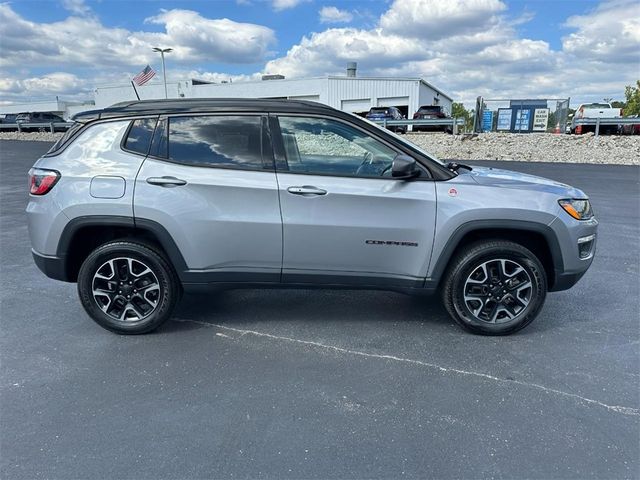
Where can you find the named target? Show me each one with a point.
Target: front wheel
(494, 287)
(128, 287)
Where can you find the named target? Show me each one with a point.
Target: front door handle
(166, 181)
(306, 191)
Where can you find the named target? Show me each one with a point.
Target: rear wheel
(494, 287)
(128, 287)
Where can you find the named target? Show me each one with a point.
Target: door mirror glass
(404, 166)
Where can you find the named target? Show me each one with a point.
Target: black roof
(196, 105)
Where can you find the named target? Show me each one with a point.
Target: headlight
(580, 209)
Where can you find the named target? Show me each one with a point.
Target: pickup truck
(595, 110)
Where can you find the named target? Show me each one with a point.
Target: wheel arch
(83, 234)
(537, 237)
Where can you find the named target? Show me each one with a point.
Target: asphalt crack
(456, 371)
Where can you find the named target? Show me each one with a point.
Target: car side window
(139, 137)
(217, 141)
(328, 147)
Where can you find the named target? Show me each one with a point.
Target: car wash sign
(540, 119)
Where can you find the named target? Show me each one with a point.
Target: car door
(207, 182)
(345, 219)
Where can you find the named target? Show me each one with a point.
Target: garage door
(359, 105)
(393, 101)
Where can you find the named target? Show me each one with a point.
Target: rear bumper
(52, 266)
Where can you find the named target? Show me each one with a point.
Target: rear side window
(217, 141)
(140, 134)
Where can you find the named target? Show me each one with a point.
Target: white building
(352, 94)
(349, 93)
(59, 107)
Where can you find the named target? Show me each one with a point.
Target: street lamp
(164, 70)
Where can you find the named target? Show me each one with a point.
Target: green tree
(458, 111)
(632, 94)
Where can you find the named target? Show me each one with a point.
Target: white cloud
(334, 15)
(471, 47)
(84, 41)
(194, 37)
(52, 83)
(77, 7)
(436, 19)
(610, 33)
(279, 5)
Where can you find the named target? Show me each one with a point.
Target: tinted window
(140, 135)
(219, 141)
(321, 146)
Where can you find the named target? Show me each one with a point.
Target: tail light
(41, 180)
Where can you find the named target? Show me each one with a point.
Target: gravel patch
(541, 147)
(31, 136)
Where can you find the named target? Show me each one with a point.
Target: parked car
(38, 117)
(594, 110)
(431, 112)
(9, 118)
(144, 200)
(631, 129)
(387, 113)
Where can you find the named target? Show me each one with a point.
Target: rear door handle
(306, 191)
(166, 181)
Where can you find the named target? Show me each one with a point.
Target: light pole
(164, 70)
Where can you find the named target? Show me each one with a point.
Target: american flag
(144, 76)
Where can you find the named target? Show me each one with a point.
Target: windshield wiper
(454, 166)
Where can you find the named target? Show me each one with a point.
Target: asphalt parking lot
(324, 384)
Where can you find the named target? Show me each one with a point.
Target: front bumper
(573, 266)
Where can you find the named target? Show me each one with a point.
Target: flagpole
(135, 89)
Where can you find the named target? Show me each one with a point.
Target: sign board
(522, 120)
(487, 120)
(540, 118)
(504, 119)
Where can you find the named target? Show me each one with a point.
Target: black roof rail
(201, 105)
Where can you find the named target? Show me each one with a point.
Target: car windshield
(379, 111)
(410, 145)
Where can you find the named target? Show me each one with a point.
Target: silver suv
(142, 200)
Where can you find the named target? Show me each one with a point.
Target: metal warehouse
(348, 93)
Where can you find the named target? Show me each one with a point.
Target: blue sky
(465, 47)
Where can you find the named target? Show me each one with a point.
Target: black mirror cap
(404, 167)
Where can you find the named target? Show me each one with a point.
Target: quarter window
(328, 147)
(217, 141)
(140, 135)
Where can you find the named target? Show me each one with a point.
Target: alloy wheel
(498, 291)
(126, 289)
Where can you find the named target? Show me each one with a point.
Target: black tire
(459, 278)
(161, 287)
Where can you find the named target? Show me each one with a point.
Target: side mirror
(404, 167)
